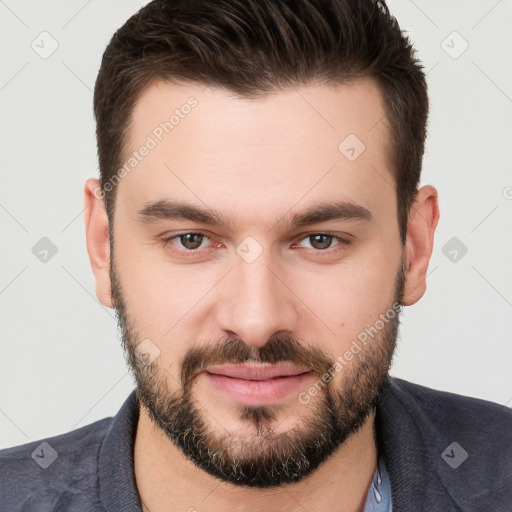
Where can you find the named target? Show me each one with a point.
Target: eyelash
(192, 252)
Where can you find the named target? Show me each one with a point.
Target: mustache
(278, 349)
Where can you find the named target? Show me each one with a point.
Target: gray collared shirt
(442, 452)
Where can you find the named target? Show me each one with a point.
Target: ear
(97, 238)
(423, 219)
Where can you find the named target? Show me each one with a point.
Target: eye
(323, 241)
(189, 241)
(192, 242)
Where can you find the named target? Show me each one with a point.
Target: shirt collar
(116, 475)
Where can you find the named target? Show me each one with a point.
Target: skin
(256, 161)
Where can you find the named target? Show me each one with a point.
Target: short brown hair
(254, 48)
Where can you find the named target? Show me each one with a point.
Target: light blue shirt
(378, 498)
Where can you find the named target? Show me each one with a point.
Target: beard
(263, 458)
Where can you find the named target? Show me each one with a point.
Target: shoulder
(454, 428)
(451, 411)
(446, 446)
(51, 473)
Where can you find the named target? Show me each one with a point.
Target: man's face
(239, 333)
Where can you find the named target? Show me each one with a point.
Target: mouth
(257, 372)
(256, 384)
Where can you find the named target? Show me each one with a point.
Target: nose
(257, 302)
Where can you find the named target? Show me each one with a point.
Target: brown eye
(189, 244)
(191, 240)
(321, 241)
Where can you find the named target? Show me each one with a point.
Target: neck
(167, 481)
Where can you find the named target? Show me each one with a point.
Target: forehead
(291, 147)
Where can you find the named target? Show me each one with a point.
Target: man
(258, 227)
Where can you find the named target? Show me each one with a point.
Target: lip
(256, 385)
(256, 372)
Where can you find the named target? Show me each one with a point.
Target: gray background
(61, 363)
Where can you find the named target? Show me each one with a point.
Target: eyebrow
(174, 210)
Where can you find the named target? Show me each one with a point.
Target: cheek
(168, 303)
(158, 293)
(341, 301)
